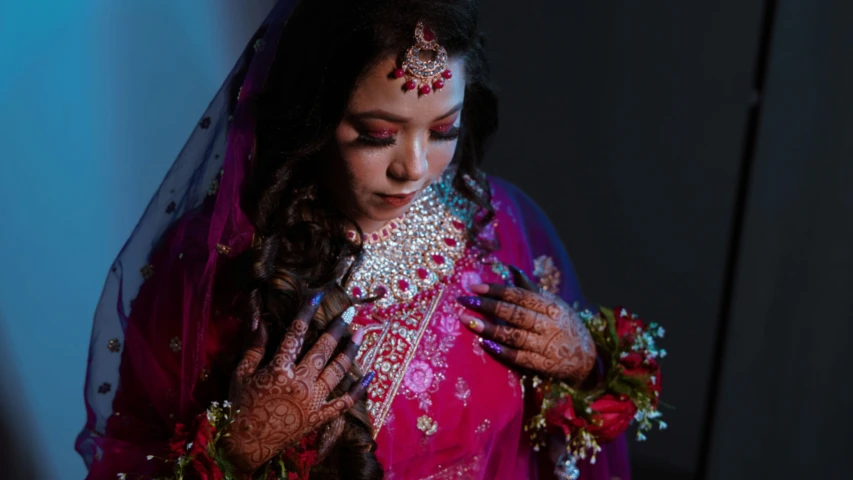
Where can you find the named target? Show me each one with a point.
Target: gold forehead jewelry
(424, 75)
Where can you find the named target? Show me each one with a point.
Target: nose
(410, 164)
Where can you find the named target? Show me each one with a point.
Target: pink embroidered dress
(441, 406)
(167, 334)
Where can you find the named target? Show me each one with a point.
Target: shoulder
(510, 200)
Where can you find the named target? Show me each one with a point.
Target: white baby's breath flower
(226, 404)
(215, 404)
(662, 425)
(641, 437)
(149, 457)
(122, 476)
(189, 446)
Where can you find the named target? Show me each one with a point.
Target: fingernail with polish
(367, 379)
(358, 336)
(348, 315)
(492, 346)
(480, 288)
(470, 302)
(315, 300)
(473, 323)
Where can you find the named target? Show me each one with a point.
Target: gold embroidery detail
(223, 249)
(205, 374)
(213, 188)
(147, 271)
(463, 393)
(483, 427)
(547, 273)
(114, 345)
(463, 469)
(390, 349)
(175, 345)
(427, 425)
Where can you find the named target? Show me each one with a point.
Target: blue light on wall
(96, 100)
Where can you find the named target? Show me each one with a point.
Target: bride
(327, 262)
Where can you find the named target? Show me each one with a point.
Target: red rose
(203, 435)
(633, 361)
(193, 442)
(205, 468)
(563, 416)
(636, 365)
(626, 326)
(612, 417)
(178, 442)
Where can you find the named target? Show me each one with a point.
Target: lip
(397, 200)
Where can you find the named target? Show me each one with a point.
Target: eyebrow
(390, 117)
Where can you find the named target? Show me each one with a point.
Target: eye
(445, 132)
(377, 138)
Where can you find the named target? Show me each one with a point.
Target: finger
(519, 358)
(338, 406)
(254, 354)
(522, 280)
(338, 368)
(544, 303)
(513, 337)
(517, 315)
(291, 345)
(319, 354)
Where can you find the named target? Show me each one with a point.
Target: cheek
(363, 166)
(441, 155)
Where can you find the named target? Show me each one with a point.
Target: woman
(350, 177)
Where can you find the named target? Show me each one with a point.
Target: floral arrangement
(194, 453)
(628, 389)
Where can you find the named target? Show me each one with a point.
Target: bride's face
(393, 144)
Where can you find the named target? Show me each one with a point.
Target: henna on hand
(544, 334)
(281, 402)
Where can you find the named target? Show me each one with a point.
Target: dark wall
(784, 405)
(633, 124)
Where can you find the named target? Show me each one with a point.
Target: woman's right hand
(281, 402)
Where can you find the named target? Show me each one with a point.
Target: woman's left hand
(544, 334)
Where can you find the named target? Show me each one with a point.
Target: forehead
(377, 89)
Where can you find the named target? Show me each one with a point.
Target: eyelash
(372, 141)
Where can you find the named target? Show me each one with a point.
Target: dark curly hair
(326, 46)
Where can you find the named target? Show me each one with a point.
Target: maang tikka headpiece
(424, 75)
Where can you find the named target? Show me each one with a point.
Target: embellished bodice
(413, 253)
(437, 395)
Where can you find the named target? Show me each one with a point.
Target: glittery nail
(315, 300)
(492, 346)
(348, 315)
(367, 379)
(470, 302)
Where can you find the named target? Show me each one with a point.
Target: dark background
(697, 160)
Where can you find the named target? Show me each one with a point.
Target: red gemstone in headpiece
(425, 89)
(446, 74)
(399, 73)
(428, 35)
